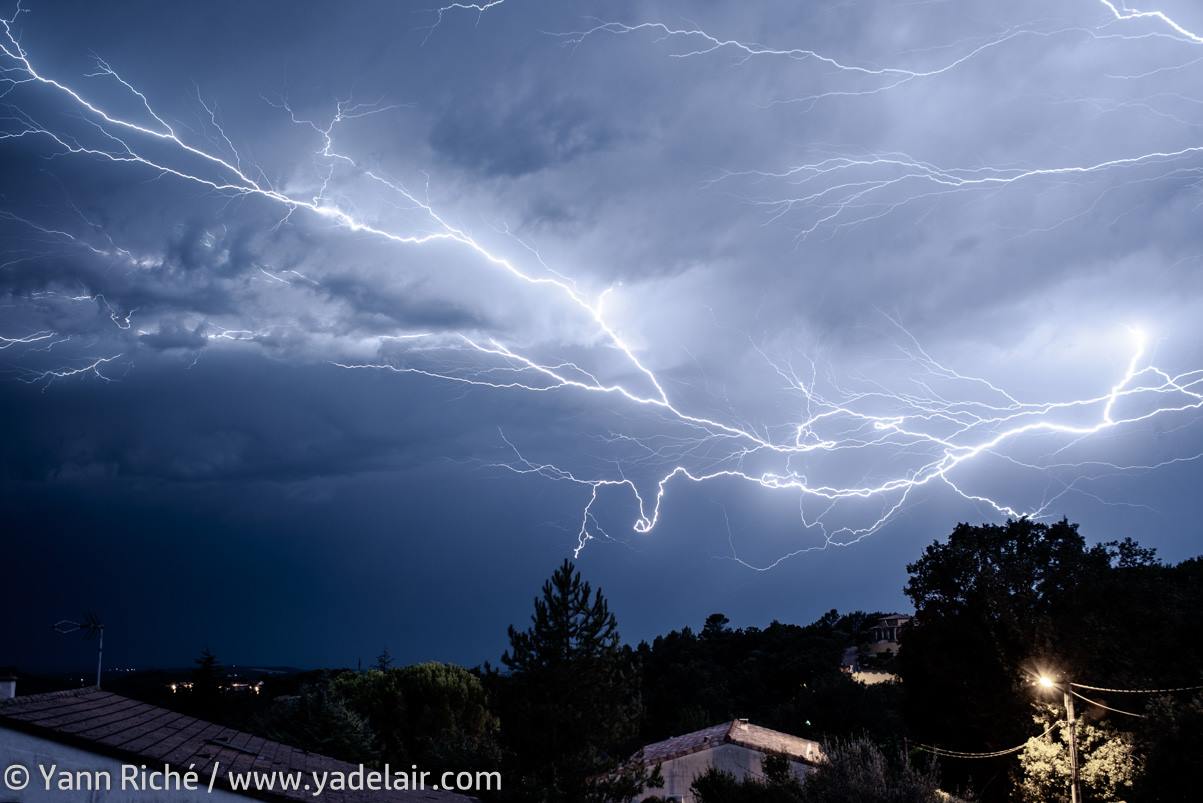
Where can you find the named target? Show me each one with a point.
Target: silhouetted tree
(715, 625)
(998, 602)
(783, 676)
(1170, 747)
(384, 660)
(572, 700)
(990, 604)
(206, 684)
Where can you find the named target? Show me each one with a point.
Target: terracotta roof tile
(131, 730)
(739, 732)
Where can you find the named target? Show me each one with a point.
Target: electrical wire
(1100, 705)
(940, 751)
(1136, 691)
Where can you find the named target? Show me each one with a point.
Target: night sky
(330, 327)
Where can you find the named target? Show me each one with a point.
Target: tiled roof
(107, 723)
(684, 745)
(739, 732)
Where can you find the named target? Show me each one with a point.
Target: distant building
(87, 732)
(736, 747)
(870, 663)
(883, 636)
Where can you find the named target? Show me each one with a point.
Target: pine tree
(573, 701)
(384, 660)
(206, 684)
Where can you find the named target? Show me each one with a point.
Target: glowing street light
(1047, 682)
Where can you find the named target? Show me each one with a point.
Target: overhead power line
(946, 753)
(940, 751)
(1100, 705)
(1137, 691)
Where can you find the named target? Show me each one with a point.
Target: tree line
(995, 606)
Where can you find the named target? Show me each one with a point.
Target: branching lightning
(442, 12)
(95, 368)
(853, 456)
(844, 191)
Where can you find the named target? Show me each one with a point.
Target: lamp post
(1045, 682)
(91, 626)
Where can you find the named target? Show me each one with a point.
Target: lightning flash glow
(854, 455)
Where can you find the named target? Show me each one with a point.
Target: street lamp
(91, 626)
(1047, 682)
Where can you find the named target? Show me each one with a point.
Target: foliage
(1107, 762)
(319, 721)
(376, 696)
(857, 771)
(434, 715)
(717, 786)
(623, 783)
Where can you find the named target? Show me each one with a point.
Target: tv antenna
(92, 628)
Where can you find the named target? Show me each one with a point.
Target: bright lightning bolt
(94, 368)
(24, 340)
(904, 440)
(1123, 13)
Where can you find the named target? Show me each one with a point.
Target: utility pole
(1075, 794)
(1046, 681)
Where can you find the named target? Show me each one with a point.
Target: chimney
(8, 686)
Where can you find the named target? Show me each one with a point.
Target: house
(883, 636)
(101, 747)
(737, 747)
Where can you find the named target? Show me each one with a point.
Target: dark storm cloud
(397, 305)
(224, 418)
(611, 161)
(173, 335)
(511, 136)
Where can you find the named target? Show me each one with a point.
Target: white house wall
(679, 773)
(17, 747)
